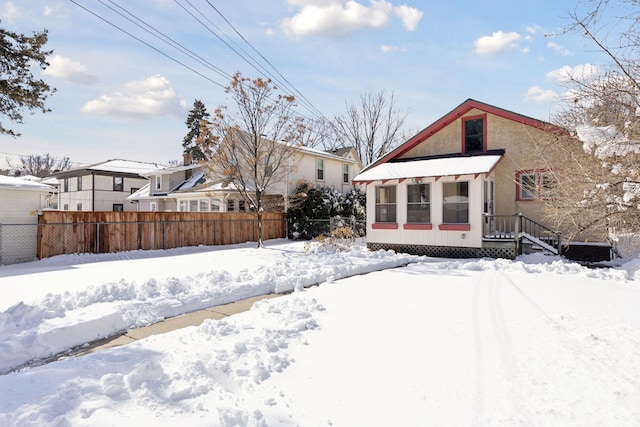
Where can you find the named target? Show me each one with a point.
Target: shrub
(312, 206)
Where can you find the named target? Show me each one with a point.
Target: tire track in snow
(578, 359)
(496, 360)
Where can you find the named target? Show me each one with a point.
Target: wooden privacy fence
(64, 232)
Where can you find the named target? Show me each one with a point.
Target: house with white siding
(102, 186)
(187, 188)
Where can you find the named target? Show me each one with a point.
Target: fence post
(97, 237)
(164, 235)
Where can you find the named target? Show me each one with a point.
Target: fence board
(65, 232)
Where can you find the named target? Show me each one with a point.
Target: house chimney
(187, 159)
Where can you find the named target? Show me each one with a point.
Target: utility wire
(168, 40)
(289, 85)
(178, 46)
(148, 45)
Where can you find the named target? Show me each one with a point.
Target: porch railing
(516, 227)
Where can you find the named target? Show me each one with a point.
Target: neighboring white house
(333, 168)
(102, 186)
(187, 189)
(20, 201)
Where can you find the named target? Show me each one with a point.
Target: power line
(312, 107)
(166, 39)
(147, 44)
(154, 32)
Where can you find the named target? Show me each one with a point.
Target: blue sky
(119, 98)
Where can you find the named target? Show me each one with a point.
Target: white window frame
(320, 169)
(424, 204)
(458, 202)
(386, 204)
(539, 178)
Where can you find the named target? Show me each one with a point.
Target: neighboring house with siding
(187, 189)
(332, 168)
(102, 186)
(20, 201)
(468, 185)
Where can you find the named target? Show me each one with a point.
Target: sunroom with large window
(439, 202)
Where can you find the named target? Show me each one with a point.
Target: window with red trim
(536, 184)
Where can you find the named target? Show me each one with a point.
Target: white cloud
(335, 18)
(152, 97)
(410, 16)
(388, 49)
(496, 43)
(559, 49)
(533, 29)
(66, 69)
(540, 96)
(9, 12)
(582, 73)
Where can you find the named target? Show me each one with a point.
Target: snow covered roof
(196, 178)
(121, 166)
(30, 178)
(11, 183)
(436, 167)
(171, 169)
(326, 154)
(142, 193)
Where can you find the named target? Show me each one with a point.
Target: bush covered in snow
(313, 206)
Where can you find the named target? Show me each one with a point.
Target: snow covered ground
(537, 341)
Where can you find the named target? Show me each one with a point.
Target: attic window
(474, 134)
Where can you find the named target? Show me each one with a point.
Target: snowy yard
(537, 341)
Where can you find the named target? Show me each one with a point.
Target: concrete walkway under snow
(189, 319)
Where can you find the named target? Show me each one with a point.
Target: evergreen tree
(19, 90)
(194, 122)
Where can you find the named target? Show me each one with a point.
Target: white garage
(20, 201)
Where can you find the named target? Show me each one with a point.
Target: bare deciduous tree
(373, 125)
(38, 165)
(252, 143)
(599, 186)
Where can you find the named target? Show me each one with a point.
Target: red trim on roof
(455, 114)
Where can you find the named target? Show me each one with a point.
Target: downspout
(93, 191)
